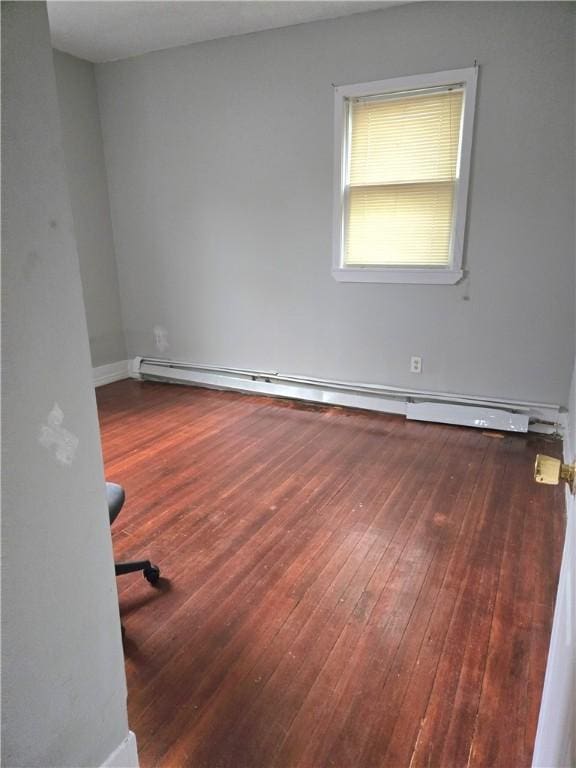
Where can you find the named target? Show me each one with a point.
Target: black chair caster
(152, 574)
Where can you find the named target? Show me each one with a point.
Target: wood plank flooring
(341, 588)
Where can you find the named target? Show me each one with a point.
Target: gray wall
(63, 683)
(220, 162)
(85, 170)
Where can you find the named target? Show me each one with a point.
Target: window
(402, 167)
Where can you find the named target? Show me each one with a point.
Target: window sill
(387, 275)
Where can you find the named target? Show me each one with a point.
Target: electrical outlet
(415, 365)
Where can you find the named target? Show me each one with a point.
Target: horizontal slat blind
(402, 173)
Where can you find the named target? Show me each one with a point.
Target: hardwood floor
(341, 588)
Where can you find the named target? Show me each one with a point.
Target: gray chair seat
(115, 497)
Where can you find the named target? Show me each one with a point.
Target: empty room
(288, 384)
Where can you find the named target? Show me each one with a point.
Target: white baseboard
(125, 755)
(106, 374)
(539, 417)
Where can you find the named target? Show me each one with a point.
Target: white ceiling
(104, 30)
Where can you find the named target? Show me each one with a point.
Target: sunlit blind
(402, 175)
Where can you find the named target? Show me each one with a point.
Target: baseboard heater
(471, 411)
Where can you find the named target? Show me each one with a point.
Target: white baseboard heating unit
(469, 416)
(471, 411)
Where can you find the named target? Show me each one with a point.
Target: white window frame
(374, 274)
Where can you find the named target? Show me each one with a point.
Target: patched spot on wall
(161, 338)
(54, 436)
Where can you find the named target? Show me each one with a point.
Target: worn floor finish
(345, 589)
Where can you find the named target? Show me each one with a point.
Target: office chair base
(151, 572)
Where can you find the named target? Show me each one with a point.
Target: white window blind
(401, 176)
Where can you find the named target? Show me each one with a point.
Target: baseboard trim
(125, 755)
(106, 374)
(540, 417)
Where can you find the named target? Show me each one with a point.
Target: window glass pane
(399, 224)
(402, 174)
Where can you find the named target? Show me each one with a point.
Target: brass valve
(550, 471)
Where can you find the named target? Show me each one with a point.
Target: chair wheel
(152, 574)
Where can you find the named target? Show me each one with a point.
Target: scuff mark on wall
(30, 263)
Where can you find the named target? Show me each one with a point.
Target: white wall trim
(543, 417)
(430, 276)
(106, 374)
(125, 755)
(555, 744)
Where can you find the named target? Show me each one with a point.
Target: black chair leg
(138, 565)
(151, 572)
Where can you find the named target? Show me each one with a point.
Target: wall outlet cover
(415, 365)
